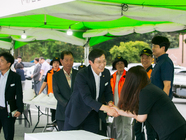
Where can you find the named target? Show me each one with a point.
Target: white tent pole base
(86, 53)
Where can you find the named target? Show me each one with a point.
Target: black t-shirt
(163, 71)
(161, 111)
(47, 75)
(21, 73)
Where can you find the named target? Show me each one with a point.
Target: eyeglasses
(100, 62)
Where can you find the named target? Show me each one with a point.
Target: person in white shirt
(45, 67)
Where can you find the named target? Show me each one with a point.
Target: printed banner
(9, 7)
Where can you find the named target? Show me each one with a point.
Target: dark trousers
(45, 90)
(53, 113)
(139, 131)
(103, 130)
(7, 124)
(37, 86)
(60, 125)
(91, 123)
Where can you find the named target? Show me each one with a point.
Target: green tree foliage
(3, 50)
(129, 50)
(107, 45)
(48, 50)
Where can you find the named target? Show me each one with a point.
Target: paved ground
(20, 129)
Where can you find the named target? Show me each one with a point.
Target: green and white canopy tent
(93, 20)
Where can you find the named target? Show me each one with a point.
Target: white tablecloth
(40, 100)
(64, 135)
(41, 104)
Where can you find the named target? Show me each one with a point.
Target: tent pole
(86, 52)
(12, 49)
(12, 52)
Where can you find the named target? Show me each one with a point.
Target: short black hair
(19, 66)
(63, 53)
(95, 53)
(8, 57)
(161, 41)
(19, 57)
(37, 59)
(42, 58)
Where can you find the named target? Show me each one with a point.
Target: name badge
(106, 83)
(12, 85)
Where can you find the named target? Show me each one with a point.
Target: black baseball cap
(55, 59)
(146, 51)
(117, 59)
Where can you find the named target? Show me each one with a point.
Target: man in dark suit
(63, 82)
(10, 91)
(92, 91)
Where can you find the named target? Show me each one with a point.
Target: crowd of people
(85, 98)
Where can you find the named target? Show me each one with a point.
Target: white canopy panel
(5, 45)
(166, 27)
(41, 34)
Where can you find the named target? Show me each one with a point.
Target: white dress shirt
(97, 81)
(45, 67)
(3, 80)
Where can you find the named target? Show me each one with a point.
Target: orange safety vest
(120, 84)
(49, 80)
(149, 71)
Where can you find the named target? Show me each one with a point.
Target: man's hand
(40, 79)
(110, 104)
(112, 112)
(17, 114)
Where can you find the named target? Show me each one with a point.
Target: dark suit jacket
(83, 99)
(62, 92)
(13, 90)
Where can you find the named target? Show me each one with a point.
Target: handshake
(114, 111)
(111, 109)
